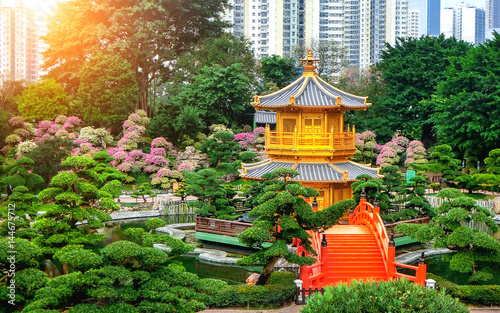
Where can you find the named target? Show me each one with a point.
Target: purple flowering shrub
(246, 140)
(416, 153)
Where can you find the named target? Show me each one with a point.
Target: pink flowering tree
(246, 140)
(366, 147)
(391, 152)
(416, 153)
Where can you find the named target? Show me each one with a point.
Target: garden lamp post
(430, 283)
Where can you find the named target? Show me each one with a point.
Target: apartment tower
(19, 57)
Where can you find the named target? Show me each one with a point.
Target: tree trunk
(266, 272)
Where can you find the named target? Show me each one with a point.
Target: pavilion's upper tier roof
(311, 92)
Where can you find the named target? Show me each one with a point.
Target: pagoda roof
(265, 117)
(311, 172)
(310, 91)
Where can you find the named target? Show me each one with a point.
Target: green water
(233, 275)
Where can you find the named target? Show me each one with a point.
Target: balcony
(317, 144)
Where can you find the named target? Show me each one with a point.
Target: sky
(452, 3)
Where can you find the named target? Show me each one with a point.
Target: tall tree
(44, 100)
(278, 70)
(108, 91)
(8, 93)
(467, 102)
(412, 70)
(224, 51)
(149, 34)
(367, 82)
(221, 94)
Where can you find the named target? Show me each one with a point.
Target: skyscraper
(414, 23)
(18, 41)
(359, 27)
(429, 16)
(492, 14)
(465, 23)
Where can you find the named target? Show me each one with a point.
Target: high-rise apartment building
(19, 57)
(360, 27)
(429, 16)
(414, 23)
(492, 14)
(466, 23)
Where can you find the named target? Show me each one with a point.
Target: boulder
(496, 205)
(252, 279)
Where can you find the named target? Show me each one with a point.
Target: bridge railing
(369, 215)
(314, 275)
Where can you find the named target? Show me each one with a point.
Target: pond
(115, 231)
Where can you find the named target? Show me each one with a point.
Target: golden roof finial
(308, 64)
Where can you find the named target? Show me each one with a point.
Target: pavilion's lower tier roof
(320, 172)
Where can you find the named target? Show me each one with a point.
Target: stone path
(486, 309)
(289, 309)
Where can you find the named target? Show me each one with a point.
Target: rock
(50, 269)
(496, 205)
(252, 279)
(230, 177)
(192, 157)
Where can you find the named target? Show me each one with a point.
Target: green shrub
(484, 295)
(239, 295)
(392, 296)
(473, 294)
(282, 278)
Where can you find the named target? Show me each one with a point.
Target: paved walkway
(485, 309)
(296, 309)
(289, 309)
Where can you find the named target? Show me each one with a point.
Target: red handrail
(368, 215)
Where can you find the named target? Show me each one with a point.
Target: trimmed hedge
(473, 294)
(281, 288)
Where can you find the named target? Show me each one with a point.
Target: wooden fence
(301, 294)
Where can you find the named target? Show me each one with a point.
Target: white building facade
(464, 22)
(360, 27)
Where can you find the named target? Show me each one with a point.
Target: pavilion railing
(319, 141)
(220, 227)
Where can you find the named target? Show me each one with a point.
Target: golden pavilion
(310, 136)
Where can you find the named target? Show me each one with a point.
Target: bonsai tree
(441, 160)
(86, 193)
(221, 149)
(476, 251)
(142, 191)
(20, 173)
(214, 198)
(282, 216)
